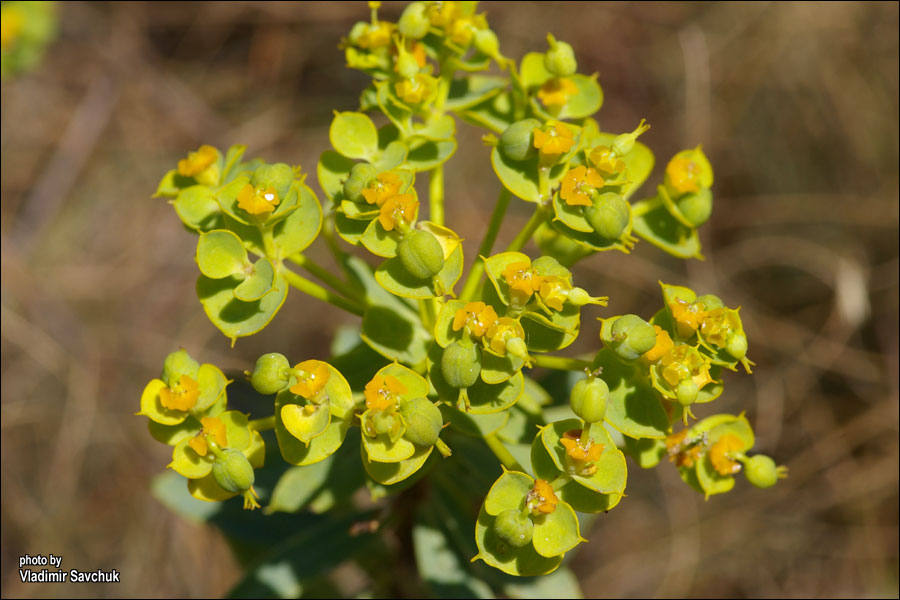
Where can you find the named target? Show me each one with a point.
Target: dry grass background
(796, 104)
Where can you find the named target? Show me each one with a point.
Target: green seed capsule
(761, 471)
(608, 215)
(686, 392)
(270, 375)
(407, 65)
(588, 399)
(632, 336)
(696, 207)
(280, 176)
(360, 176)
(487, 43)
(737, 345)
(414, 22)
(233, 472)
(177, 364)
(423, 421)
(421, 254)
(514, 528)
(461, 365)
(517, 142)
(560, 59)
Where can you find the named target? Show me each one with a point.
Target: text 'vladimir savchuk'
(56, 575)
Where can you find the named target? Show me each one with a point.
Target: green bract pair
(431, 364)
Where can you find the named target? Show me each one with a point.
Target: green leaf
(233, 317)
(532, 70)
(519, 177)
(442, 128)
(494, 267)
(211, 383)
(354, 135)
(232, 162)
(301, 227)
(394, 277)
(497, 369)
(187, 463)
(303, 425)
(585, 102)
(592, 241)
(560, 584)
(152, 407)
(710, 480)
(425, 154)
(379, 241)
(486, 398)
(570, 216)
(524, 561)
(350, 230)
(381, 449)
(258, 283)
(646, 452)
(556, 533)
(220, 254)
(586, 500)
(395, 472)
(653, 223)
(172, 434)
(208, 490)
(197, 208)
(398, 113)
(541, 338)
(331, 172)
(393, 155)
(508, 492)
(444, 334)
(321, 447)
(634, 408)
(395, 335)
(468, 91)
(495, 113)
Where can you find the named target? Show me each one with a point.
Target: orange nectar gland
(687, 315)
(578, 186)
(682, 453)
(554, 291)
(383, 392)
(398, 211)
(583, 451)
(500, 333)
(182, 396)
(683, 174)
(606, 160)
(257, 201)
(197, 162)
(521, 278)
(553, 139)
(723, 453)
(312, 378)
(382, 187)
(663, 344)
(556, 92)
(211, 426)
(683, 362)
(541, 499)
(477, 317)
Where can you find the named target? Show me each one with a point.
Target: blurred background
(796, 105)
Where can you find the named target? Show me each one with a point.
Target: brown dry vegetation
(796, 106)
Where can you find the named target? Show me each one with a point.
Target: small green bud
(360, 176)
(608, 215)
(696, 206)
(579, 297)
(421, 254)
(737, 345)
(686, 392)
(761, 471)
(632, 336)
(407, 65)
(270, 375)
(177, 364)
(588, 399)
(423, 421)
(233, 472)
(414, 22)
(514, 528)
(461, 365)
(624, 144)
(280, 176)
(560, 58)
(487, 43)
(517, 142)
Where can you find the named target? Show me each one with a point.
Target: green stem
(436, 194)
(427, 313)
(317, 291)
(540, 214)
(262, 424)
(328, 234)
(490, 236)
(268, 238)
(327, 276)
(502, 453)
(560, 363)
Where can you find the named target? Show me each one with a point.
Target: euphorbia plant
(439, 360)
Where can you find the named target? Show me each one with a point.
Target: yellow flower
(415, 89)
(578, 186)
(687, 315)
(257, 201)
(722, 454)
(197, 162)
(444, 13)
(663, 345)
(211, 426)
(504, 329)
(521, 278)
(606, 161)
(378, 35)
(554, 291)
(382, 187)
(554, 139)
(718, 324)
(555, 93)
(314, 380)
(400, 208)
(583, 452)
(383, 392)
(541, 499)
(683, 174)
(683, 362)
(182, 396)
(477, 317)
